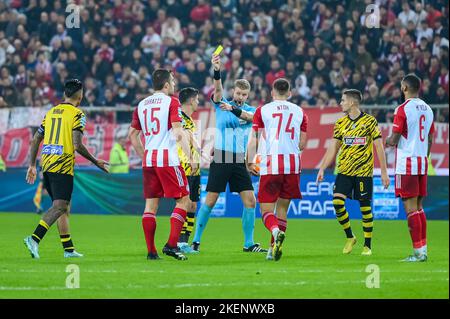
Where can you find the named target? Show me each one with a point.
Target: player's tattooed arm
(34, 147)
(77, 137)
(393, 139)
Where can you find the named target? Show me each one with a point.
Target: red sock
(270, 221)
(423, 221)
(282, 225)
(149, 225)
(415, 229)
(176, 225)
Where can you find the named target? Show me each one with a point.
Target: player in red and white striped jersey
(281, 128)
(412, 134)
(158, 118)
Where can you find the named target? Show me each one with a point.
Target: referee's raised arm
(218, 89)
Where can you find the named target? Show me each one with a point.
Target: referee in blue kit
(233, 121)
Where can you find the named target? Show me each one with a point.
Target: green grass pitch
(312, 265)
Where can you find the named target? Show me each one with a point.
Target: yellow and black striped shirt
(188, 124)
(58, 150)
(356, 136)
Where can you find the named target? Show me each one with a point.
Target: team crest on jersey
(354, 141)
(51, 149)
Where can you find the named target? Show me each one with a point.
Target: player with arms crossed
(190, 163)
(233, 120)
(412, 134)
(354, 135)
(62, 132)
(158, 118)
(282, 127)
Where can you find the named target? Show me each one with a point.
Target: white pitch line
(213, 285)
(207, 272)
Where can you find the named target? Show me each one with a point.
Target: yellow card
(218, 50)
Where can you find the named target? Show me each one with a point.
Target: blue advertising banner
(99, 193)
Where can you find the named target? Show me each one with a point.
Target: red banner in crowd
(99, 139)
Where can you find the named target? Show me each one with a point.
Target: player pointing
(354, 135)
(281, 126)
(412, 134)
(62, 132)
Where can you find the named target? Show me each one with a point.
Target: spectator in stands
(38, 51)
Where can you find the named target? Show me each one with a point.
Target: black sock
(40, 231)
(67, 243)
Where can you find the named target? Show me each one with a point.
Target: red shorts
(407, 186)
(272, 187)
(168, 182)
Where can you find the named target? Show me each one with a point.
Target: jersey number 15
(154, 122)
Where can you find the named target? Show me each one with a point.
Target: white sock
(275, 232)
(424, 250)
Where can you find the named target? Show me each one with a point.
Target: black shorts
(228, 168)
(58, 186)
(354, 187)
(194, 188)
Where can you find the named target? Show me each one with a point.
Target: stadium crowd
(321, 47)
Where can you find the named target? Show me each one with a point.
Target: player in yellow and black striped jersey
(58, 150)
(190, 163)
(62, 132)
(354, 136)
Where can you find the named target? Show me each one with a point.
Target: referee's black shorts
(228, 168)
(58, 186)
(354, 187)
(194, 188)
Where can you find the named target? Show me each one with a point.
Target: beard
(402, 97)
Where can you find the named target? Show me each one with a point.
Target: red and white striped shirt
(154, 117)
(280, 123)
(414, 121)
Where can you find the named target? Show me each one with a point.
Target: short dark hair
(160, 77)
(72, 86)
(412, 81)
(186, 94)
(354, 94)
(281, 86)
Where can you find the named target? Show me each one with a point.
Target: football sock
(248, 225)
(282, 225)
(67, 243)
(415, 230)
(40, 231)
(202, 220)
(423, 221)
(176, 224)
(367, 221)
(271, 223)
(342, 215)
(187, 227)
(149, 226)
